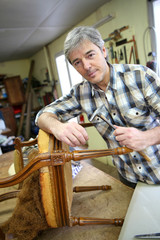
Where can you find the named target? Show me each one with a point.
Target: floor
(112, 171)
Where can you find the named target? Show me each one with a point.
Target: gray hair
(78, 35)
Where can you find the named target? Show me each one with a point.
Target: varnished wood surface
(58, 157)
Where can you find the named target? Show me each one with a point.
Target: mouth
(91, 74)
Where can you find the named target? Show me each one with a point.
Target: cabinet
(11, 91)
(14, 90)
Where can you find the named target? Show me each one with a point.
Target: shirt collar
(113, 76)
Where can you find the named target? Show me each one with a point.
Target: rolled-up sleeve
(65, 108)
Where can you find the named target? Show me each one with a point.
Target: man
(130, 96)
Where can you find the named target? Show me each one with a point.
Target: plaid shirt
(132, 99)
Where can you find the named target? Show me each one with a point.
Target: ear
(104, 52)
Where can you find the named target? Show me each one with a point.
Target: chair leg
(2, 235)
(9, 195)
(81, 221)
(91, 188)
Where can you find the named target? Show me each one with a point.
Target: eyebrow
(74, 61)
(78, 58)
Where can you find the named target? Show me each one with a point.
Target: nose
(86, 64)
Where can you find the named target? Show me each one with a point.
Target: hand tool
(115, 56)
(148, 236)
(121, 55)
(131, 52)
(135, 49)
(125, 54)
(116, 34)
(98, 113)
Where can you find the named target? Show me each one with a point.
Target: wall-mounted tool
(121, 55)
(116, 34)
(111, 51)
(135, 49)
(124, 41)
(121, 42)
(115, 56)
(125, 54)
(131, 53)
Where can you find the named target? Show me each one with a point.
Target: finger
(83, 133)
(120, 137)
(118, 131)
(77, 139)
(72, 141)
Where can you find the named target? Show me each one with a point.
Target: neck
(104, 83)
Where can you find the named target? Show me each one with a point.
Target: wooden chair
(54, 164)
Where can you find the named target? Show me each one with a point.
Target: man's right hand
(71, 133)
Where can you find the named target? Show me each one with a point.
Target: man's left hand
(131, 138)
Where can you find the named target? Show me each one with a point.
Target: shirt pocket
(137, 117)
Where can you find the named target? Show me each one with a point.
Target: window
(156, 11)
(154, 18)
(68, 76)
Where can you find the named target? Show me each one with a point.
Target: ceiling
(27, 25)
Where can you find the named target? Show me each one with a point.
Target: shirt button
(140, 168)
(144, 179)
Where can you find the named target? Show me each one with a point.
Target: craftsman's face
(90, 62)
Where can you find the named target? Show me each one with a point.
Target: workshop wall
(126, 13)
(14, 68)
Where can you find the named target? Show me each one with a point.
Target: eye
(91, 55)
(76, 64)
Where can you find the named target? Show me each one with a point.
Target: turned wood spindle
(91, 188)
(81, 221)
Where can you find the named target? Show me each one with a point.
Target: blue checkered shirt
(132, 99)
